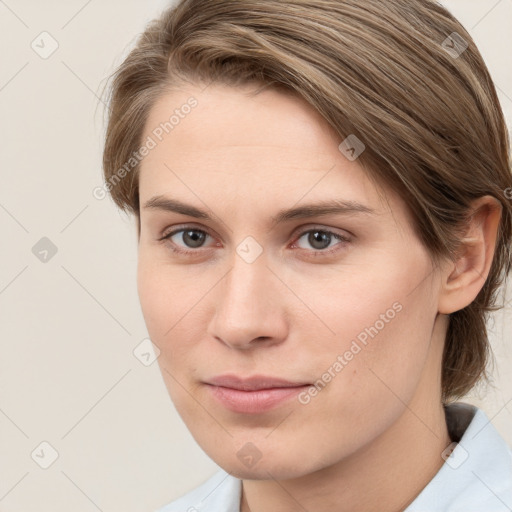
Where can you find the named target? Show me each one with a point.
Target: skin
(372, 438)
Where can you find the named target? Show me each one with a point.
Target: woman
(320, 189)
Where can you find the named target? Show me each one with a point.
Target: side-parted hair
(403, 76)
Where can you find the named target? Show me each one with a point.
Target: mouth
(253, 395)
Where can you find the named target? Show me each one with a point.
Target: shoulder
(220, 493)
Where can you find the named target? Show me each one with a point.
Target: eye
(320, 240)
(186, 238)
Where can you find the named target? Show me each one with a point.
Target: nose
(249, 311)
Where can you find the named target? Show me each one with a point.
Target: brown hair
(393, 73)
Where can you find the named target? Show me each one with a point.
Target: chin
(278, 466)
(266, 471)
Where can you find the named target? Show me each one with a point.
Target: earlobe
(464, 278)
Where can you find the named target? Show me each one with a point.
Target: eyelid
(312, 227)
(182, 227)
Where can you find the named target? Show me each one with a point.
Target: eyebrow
(333, 206)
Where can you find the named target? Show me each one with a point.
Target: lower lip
(254, 402)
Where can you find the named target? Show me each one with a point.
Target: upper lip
(253, 383)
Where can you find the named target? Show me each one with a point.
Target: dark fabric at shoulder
(458, 417)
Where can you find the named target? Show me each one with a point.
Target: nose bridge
(246, 288)
(247, 305)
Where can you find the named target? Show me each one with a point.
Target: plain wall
(69, 325)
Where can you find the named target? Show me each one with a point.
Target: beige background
(69, 326)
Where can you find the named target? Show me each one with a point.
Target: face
(290, 299)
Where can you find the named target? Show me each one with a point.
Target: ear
(463, 278)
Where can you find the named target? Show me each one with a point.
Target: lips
(253, 395)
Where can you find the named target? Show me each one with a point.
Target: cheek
(171, 300)
(162, 312)
(374, 363)
(151, 296)
(163, 293)
(380, 325)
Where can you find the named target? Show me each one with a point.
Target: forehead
(266, 148)
(232, 117)
(238, 102)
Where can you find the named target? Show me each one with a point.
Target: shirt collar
(477, 474)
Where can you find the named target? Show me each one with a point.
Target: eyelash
(314, 253)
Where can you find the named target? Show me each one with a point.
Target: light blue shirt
(476, 476)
